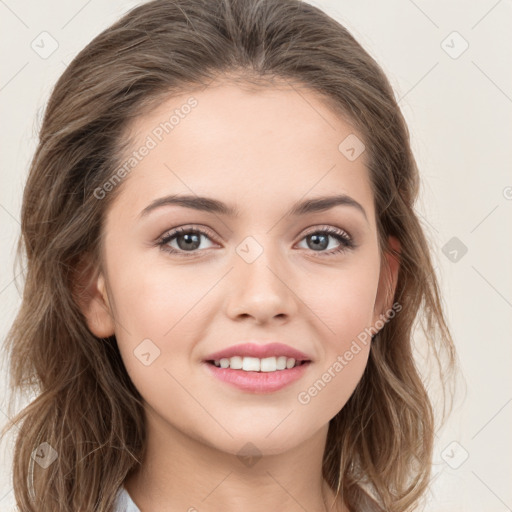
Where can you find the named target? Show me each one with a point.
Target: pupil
(190, 239)
(315, 238)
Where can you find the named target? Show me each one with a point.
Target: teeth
(290, 363)
(253, 364)
(269, 364)
(281, 362)
(235, 363)
(250, 364)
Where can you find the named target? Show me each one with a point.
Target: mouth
(252, 375)
(254, 364)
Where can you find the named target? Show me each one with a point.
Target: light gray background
(459, 111)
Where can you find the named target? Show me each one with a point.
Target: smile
(255, 375)
(254, 364)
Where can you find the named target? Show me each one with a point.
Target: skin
(260, 151)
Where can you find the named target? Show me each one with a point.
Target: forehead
(251, 145)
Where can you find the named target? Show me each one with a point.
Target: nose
(261, 289)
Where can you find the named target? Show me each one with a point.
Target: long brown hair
(87, 412)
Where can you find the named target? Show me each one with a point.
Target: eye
(319, 239)
(187, 239)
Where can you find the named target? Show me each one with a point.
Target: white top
(124, 502)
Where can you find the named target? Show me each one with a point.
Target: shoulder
(124, 503)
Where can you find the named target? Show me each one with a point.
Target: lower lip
(258, 382)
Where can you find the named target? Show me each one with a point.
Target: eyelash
(346, 242)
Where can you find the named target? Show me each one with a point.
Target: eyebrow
(210, 205)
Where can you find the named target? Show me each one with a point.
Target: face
(311, 279)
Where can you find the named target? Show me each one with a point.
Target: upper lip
(260, 351)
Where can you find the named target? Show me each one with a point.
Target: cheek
(150, 301)
(345, 304)
(345, 301)
(162, 311)
(346, 320)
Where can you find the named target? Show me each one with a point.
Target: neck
(180, 473)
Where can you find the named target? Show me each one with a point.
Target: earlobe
(89, 291)
(388, 279)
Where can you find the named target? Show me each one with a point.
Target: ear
(89, 292)
(388, 279)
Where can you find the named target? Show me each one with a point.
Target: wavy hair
(379, 446)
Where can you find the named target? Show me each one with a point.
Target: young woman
(224, 274)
